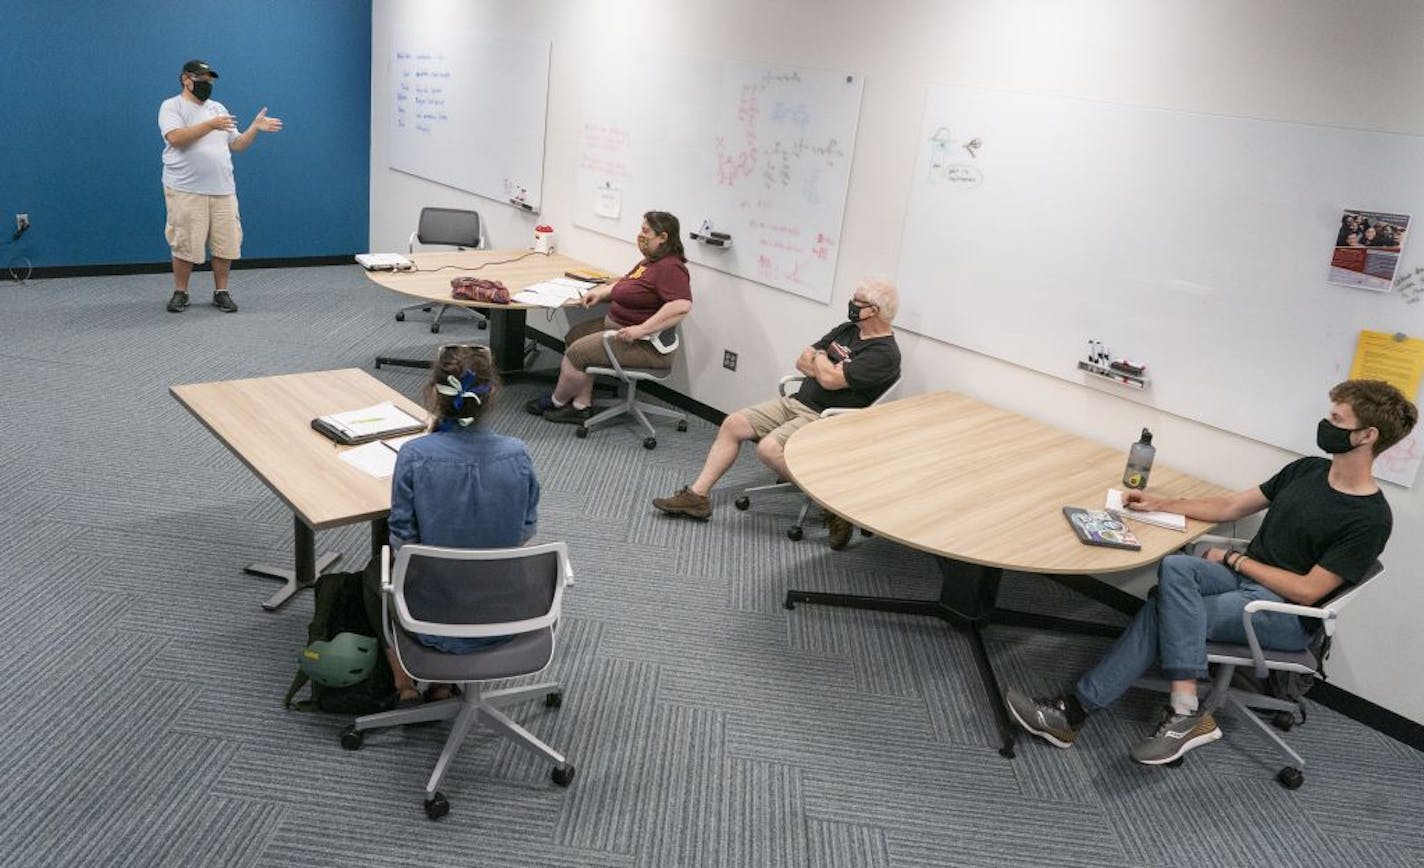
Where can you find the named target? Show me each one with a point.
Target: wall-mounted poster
(1367, 249)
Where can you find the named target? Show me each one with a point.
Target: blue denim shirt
(463, 488)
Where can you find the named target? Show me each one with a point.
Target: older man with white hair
(849, 367)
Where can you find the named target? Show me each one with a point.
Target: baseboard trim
(109, 270)
(1358, 709)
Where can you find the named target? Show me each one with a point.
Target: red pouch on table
(478, 289)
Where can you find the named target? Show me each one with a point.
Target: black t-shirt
(1311, 523)
(871, 365)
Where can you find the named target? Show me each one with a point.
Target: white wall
(1312, 61)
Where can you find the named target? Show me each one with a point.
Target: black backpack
(340, 607)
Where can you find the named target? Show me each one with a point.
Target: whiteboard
(468, 111)
(1197, 244)
(761, 151)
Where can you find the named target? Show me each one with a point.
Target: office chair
(471, 593)
(1225, 659)
(451, 227)
(744, 500)
(666, 342)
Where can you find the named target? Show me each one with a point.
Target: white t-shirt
(205, 166)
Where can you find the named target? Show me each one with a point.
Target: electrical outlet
(22, 222)
(729, 360)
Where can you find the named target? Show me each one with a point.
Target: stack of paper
(383, 419)
(1169, 520)
(552, 293)
(378, 458)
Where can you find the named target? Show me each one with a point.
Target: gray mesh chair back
(453, 227)
(513, 596)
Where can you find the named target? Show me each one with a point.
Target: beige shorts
(583, 347)
(197, 223)
(779, 418)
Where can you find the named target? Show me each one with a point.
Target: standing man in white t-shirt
(198, 185)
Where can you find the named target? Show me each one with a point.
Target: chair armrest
(410, 244)
(387, 592)
(608, 335)
(1211, 540)
(1255, 606)
(788, 380)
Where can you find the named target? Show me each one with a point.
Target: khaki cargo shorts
(779, 418)
(198, 222)
(583, 347)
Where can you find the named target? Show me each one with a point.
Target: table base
(307, 567)
(967, 602)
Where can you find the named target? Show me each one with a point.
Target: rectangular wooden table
(516, 269)
(983, 490)
(266, 422)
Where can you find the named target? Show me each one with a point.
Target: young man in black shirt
(1328, 522)
(848, 367)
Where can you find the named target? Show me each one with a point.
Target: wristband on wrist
(1227, 562)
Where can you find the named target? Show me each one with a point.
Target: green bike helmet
(344, 660)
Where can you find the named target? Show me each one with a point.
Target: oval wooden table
(983, 490)
(516, 269)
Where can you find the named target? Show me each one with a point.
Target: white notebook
(1169, 520)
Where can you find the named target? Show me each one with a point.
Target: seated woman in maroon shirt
(653, 297)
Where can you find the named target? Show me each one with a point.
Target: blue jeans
(1195, 601)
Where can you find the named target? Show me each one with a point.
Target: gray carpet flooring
(142, 725)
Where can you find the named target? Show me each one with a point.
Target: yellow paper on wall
(1399, 362)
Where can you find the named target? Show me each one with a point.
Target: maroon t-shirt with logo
(647, 288)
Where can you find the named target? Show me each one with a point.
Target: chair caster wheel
(1176, 763)
(650, 442)
(400, 316)
(742, 503)
(563, 776)
(1283, 720)
(437, 806)
(352, 738)
(864, 532)
(794, 534)
(1006, 752)
(1290, 777)
(554, 700)
(435, 328)
(580, 432)
(682, 425)
(484, 324)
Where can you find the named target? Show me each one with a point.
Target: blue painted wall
(81, 82)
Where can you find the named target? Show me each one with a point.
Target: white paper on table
(552, 293)
(1169, 520)
(375, 458)
(376, 419)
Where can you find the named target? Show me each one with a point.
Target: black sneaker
(223, 302)
(1046, 718)
(569, 414)
(177, 302)
(540, 405)
(1177, 734)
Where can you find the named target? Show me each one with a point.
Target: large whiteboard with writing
(1197, 244)
(468, 111)
(761, 151)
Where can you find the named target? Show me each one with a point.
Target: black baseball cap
(196, 66)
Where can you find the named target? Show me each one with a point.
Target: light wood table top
(528, 268)
(953, 476)
(266, 422)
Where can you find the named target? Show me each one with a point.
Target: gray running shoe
(177, 302)
(1177, 734)
(1046, 718)
(223, 302)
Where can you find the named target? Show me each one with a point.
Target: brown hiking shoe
(685, 502)
(839, 530)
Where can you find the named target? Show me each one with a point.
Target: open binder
(367, 424)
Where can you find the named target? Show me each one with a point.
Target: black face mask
(853, 311)
(1333, 439)
(202, 90)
